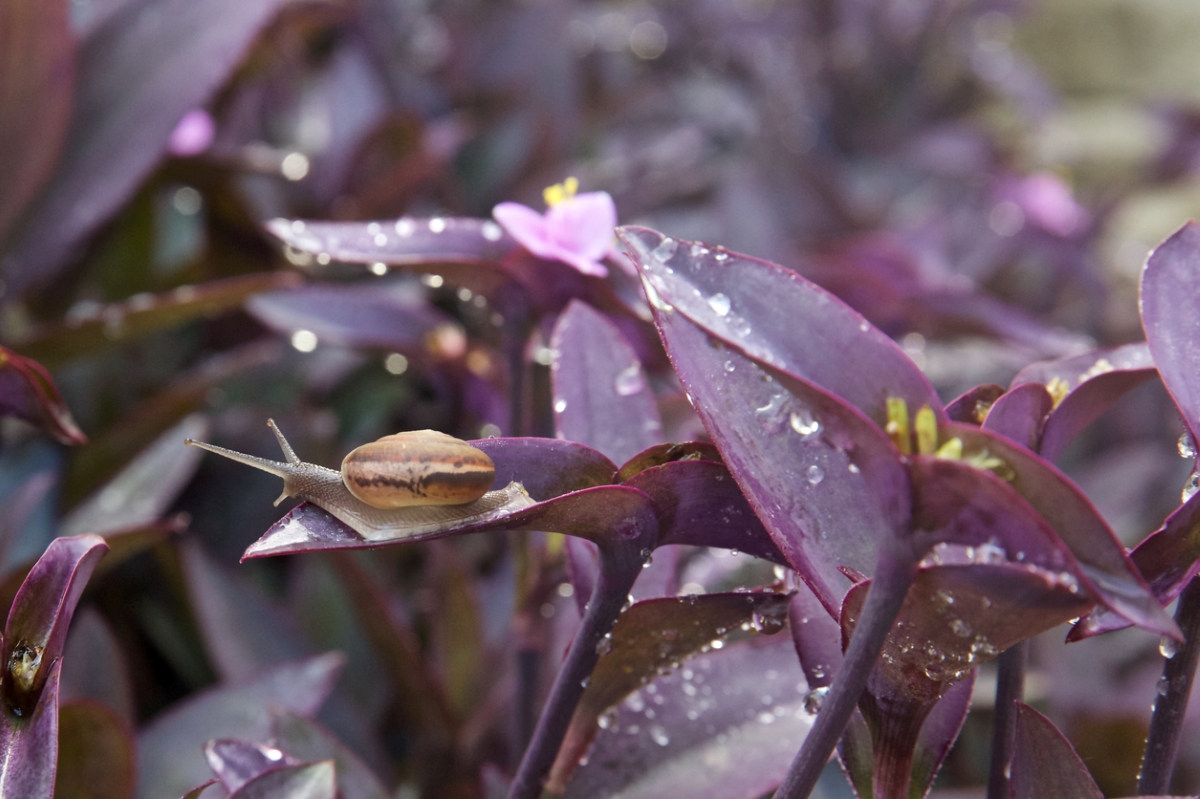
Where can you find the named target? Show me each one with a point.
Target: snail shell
(423, 467)
(438, 494)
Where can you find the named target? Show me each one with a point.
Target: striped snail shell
(423, 467)
(401, 486)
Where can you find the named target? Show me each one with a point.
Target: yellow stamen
(1058, 389)
(897, 424)
(560, 192)
(927, 431)
(952, 450)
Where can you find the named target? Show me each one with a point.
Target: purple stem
(619, 567)
(1010, 689)
(895, 570)
(1167, 722)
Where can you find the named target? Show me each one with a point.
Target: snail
(401, 486)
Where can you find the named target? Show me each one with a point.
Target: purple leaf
(601, 395)
(1018, 415)
(817, 636)
(20, 503)
(28, 392)
(1171, 318)
(698, 503)
(940, 731)
(36, 83)
(713, 735)
(597, 514)
(306, 740)
(29, 746)
(776, 316)
(390, 316)
(1093, 381)
(170, 757)
(305, 781)
(94, 667)
(95, 753)
(199, 789)
(972, 406)
(546, 467)
(138, 75)
(652, 635)
(235, 762)
(1044, 763)
(36, 630)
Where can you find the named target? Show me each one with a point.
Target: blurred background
(983, 180)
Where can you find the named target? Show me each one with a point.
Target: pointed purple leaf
(235, 762)
(776, 316)
(29, 745)
(305, 781)
(28, 392)
(170, 756)
(653, 635)
(817, 636)
(601, 395)
(388, 316)
(95, 753)
(36, 630)
(939, 732)
(1111, 576)
(36, 83)
(1044, 762)
(138, 75)
(308, 741)
(1093, 380)
(199, 789)
(1018, 415)
(546, 467)
(824, 479)
(598, 514)
(1171, 318)
(712, 736)
(698, 503)
(972, 406)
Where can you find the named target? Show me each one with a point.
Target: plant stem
(1010, 689)
(894, 573)
(619, 567)
(1162, 745)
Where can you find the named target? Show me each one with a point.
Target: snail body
(401, 486)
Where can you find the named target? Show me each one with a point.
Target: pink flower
(1047, 201)
(576, 229)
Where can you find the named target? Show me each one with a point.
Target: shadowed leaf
(1018, 415)
(1171, 318)
(95, 757)
(666, 453)
(307, 781)
(306, 740)
(94, 667)
(972, 406)
(1044, 762)
(28, 392)
(235, 762)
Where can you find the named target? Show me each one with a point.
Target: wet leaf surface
(306, 740)
(235, 762)
(1171, 317)
(307, 781)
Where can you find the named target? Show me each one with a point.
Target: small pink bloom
(577, 229)
(1047, 202)
(193, 134)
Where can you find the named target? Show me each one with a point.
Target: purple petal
(1018, 415)
(28, 392)
(655, 634)
(36, 630)
(601, 394)
(597, 514)
(95, 753)
(306, 740)
(29, 748)
(1044, 762)
(1095, 380)
(779, 318)
(36, 87)
(1171, 318)
(170, 757)
(972, 406)
(235, 762)
(389, 316)
(305, 781)
(825, 481)
(1110, 574)
(704, 743)
(526, 226)
(698, 503)
(137, 78)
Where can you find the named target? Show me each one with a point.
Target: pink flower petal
(584, 224)
(525, 225)
(193, 134)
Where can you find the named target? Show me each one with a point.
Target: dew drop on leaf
(665, 249)
(1191, 486)
(629, 381)
(1187, 449)
(719, 303)
(1167, 646)
(815, 474)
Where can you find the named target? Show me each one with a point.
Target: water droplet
(437, 225)
(1191, 486)
(719, 303)
(721, 256)
(814, 699)
(380, 239)
(699, 250)
(990, 553)
(629, 381)
(960, 628)
(659, 735)
(665, 249)
(718, 644)
(560, 405)
(585, 682)
(635, 702)
(1163, 686)
(607, 718)
(803, 423)
(815, 474)
(491, 231)
(1167, 646)
(1187, 449)
(729, 367)
(766, 718)
(405, 227)
(604, 645)
(854, 469)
